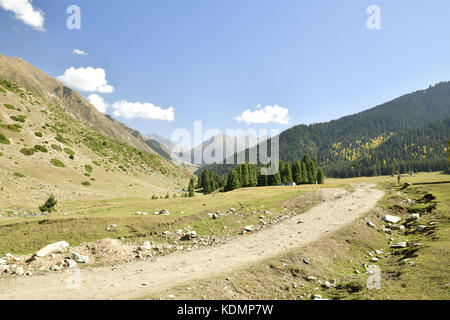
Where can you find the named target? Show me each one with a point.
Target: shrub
(3, 139)
(56, 147)
(154, 197)
(18, 118)
(28, 151)
(38, 134)
(96, 163)
(86, 183)
(61, 139)
(88, 168)
(19, 175)
(57, 163)
(9, 106)
(12, 127)
(71, 157)
(49, 205)
(41, 148)
(167, 196)
(69, 151)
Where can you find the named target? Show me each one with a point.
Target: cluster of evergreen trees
(210, 181)
(408, 134)
(245, 175)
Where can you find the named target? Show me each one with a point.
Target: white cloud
(87, 79)
(79, 52)
(23, 10)
(268, 114)
(149, 111)
(98, 102)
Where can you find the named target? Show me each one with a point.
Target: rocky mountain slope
(53, 141)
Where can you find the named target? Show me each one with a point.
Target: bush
(167, 196)
(86, 183)
(3, 139)
(69, 151)
(56, 147)
(96, 163)
(38, 134)
(28, 151)
(19, 175)
(88, 168)
(9, 106)
(57, 163)
(71, 157)
(61, 139)
(41, 148)
(154, 197)
(49, 205)
(19, 118)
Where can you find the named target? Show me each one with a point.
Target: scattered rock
(249, 229)
(374, 259)
(391, 219)
(54, 247)
(414, 216)
(164, 212)
(19, 271)
(421, 228)
(70, 263)
(370, 224)
(306, 261)
(399, 245)
(311, 278)
(79, 258)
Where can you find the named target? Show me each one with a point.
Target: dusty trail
(126, 281)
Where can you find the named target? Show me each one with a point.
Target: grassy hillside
(46, 148)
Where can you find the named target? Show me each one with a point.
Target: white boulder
(391, 219)
(57, 246)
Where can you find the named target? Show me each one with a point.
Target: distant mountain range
(409, 133)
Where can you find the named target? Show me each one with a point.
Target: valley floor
(307, 242)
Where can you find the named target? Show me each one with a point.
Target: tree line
(305, 171)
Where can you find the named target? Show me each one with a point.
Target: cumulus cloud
(87, 79)
(149, 111)
(98, 102)
(78, 52)
(267, 114)
(23, 10)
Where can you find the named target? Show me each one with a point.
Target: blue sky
(213, 59)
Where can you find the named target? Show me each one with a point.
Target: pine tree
(320, 176)
(191, 188)
(303, 174)
(297, 172)
(49, 205)
(288, 176)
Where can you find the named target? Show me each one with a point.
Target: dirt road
(137, 279)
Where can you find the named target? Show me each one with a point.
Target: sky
(160, 65)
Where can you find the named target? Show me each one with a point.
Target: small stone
(370, 224)
(421, 228)
(306, 261)
(399, 245)
(391, 219)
